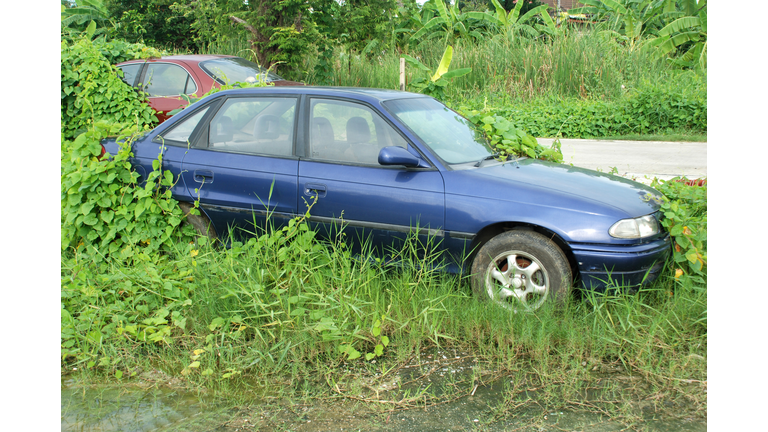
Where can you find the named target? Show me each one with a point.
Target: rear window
(129, 73)
(235, 69)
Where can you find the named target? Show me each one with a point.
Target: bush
(104, 212)
(91, 89)
(649, 109)
(685, 217)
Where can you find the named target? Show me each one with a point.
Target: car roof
(194, 58)
(361, 93)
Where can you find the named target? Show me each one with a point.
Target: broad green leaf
(445, 63)
(412, 61)
(679, 25)
(456, 73)
(692, 256)
(538, 10)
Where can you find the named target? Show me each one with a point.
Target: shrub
(92, 90)
(649, 109)
(685, 217)
(104, 212)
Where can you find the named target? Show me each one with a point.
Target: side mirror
(394, 155)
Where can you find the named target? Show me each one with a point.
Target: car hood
(550, 184)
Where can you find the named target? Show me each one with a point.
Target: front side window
(348, 132)
(167, 79)
(262, 125)
(448, 134)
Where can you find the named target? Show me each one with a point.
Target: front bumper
(618, 266)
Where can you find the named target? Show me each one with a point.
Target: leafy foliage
(509, 140)
(89, 16)
(150, 21)
(433, 86)
(104, 211)
(685, 218)
(280, 33)
(516, 20)
(650, 109)
(92, 90)
(666, 26)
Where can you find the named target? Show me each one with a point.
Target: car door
(242, 166)
(341, 182)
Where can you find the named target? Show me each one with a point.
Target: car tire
(540, 274)
(199, 222)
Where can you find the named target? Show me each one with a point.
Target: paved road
(636, 159)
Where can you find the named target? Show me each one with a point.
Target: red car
(165, 79)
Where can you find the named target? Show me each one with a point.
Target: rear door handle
(203, 176)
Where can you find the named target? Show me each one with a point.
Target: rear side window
(166, 79)
(261, 125)
(130, 72)
(235, 69)
(181, 132)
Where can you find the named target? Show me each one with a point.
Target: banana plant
(511, 22)
(449, 23)
(434, 86)
(74, 19)
(683, 30)
(629, 20)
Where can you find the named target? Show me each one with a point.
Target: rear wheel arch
(200, 222)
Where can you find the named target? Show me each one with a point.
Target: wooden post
(402, 74)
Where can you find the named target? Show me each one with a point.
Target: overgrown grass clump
(287, 309)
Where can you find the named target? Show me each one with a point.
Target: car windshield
(452, 137)
(236, 69)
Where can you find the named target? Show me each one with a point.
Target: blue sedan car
(383, 164)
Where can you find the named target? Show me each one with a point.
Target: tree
(151, 21)
(86, 14)
(687, 33)
(512, 22)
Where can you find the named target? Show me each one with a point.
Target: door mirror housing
(394, 155)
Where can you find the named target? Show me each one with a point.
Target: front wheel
(521, 270)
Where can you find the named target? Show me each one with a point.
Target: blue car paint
(573, 205)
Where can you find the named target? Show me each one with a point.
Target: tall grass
(280, 309)
(575, 64)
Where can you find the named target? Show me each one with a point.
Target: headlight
(645, 226)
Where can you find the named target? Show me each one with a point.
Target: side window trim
(201, 126)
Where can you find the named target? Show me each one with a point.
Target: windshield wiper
(489, 157)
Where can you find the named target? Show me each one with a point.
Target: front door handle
(312, 189)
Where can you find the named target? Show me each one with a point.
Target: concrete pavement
(641, 160)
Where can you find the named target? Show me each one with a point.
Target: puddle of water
(131, 408)
(103, 408)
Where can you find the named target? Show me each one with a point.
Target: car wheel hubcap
(517, 281)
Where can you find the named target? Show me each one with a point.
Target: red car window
(166, 79)
(130, 72)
